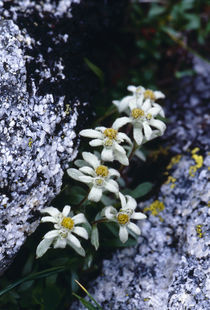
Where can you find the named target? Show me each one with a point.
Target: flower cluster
(65, 226)
(145, 116)
(110, 139)
(142, 111)
(124, 215)
(96, 176)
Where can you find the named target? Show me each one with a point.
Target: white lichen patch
(33, 152)
(169, 267)
(58, 8)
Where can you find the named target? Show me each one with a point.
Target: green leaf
(28, 265)
(26, 285)
(115, 242)
(95, 237)
(113, 227)
(37, 275)
(86, 303)
(193, 21)
(95, 69)
(88, 261)
(156, 10)
(74, 276)
(180, 74)
(172, 32)
(51, 297)
(60, 261)
(88, 227)
(75, 190)
(98, 307)
(140, 191)
(51, 280)
(107, 201)
(76, 194)
(186, 5)
(121, 181)
(164, 119)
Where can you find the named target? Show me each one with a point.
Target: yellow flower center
(149, 116)
(122, 218)
(136, 113)
(108, 142)
(67, 222)
(149, 94)
(110, 133)
(102, 171)
(99, 182)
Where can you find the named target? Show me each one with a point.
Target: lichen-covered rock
(33, 150)
(169, 268)
(191, 286)
(45, 86)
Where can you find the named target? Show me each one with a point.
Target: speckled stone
(37, 136)
(32, 150)
(169, 268)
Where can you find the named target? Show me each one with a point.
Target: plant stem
(184, 45)
(134, 148)
(83, 200)
(99, 221)
(63, 189)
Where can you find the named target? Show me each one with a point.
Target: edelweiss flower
(138, 93)
(110, 139)
(122, 105)
(124, 216)
(65, 227)
(146, 93)
(98, 176)
(142, 116)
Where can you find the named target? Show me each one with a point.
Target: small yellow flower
(110, 133)
(108, 142)
(99, 182)
(122, 218)
(136, 113)
(67, 222)
(102, 171)
(149, 94)
(149, 116)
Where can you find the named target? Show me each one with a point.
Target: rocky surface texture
(169, 268)
(44, 88)
(32, 152)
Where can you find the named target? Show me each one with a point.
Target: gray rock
(169, 268)
(36, 141)
(45, 88)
